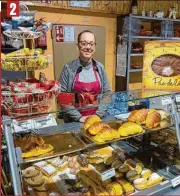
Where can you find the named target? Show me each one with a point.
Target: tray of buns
(100, 132)
(36, 147)
(151, 119)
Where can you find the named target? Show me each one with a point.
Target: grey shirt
(67, 78)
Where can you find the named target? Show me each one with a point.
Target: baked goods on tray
(151, 118)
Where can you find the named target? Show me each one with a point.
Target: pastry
(35, 181)
(124, 168)
(126, 186)
(132, 116)
(109, 160)
(166, 65)
(141, 116)
(90, 121)
(129, 128)
(132, 175)
(49, 170)
(146, 173)
(116, 164)
(97, 127)
(140, 183)
(154, 179)
(153, 119)
(30, 172)
(44, 187)
(45, 148)
(119, 174)
(114, 188)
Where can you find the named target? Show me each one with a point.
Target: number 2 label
(12, 8)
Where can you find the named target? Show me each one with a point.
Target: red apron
(88, 92)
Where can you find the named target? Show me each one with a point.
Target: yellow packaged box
(161, 65)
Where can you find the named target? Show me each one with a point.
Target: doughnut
(30, 172)
(35, 181)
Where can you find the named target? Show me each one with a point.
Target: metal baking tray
(63, 143)
(114, 125)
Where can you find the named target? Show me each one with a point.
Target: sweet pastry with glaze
(154, 179)
(30, 172)
(90, 121)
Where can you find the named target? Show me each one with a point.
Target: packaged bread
(95, 128)
(40, 164)
(129, 128)
(90, 121)
(58, 163)
(49, 170)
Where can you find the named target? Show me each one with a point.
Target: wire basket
(23, 34)
(26, 63)
(26, 109)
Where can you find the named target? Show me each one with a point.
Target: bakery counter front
(135, 153)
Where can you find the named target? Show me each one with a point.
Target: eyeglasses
(85, 44)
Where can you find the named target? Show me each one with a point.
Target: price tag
(12, 8)
(175, 181)
(108, 174)
(178, 98)
(166, 100)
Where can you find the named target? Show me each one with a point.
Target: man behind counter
(84, 76)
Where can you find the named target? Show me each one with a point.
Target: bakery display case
(137, 152)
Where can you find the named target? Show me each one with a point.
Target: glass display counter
(154, 148)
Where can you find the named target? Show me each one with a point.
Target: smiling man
(86, 77)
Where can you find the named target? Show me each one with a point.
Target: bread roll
(153, 119)
(132, 116)
(141, 116)
(97, 127)
(90, 121)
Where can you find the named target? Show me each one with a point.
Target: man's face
(86, 45)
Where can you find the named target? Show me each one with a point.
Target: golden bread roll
(129, 128)
(90, 121)
(153, 119)
(132, 116)
(141, 116)
(97, 127)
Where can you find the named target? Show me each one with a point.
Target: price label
(175, 181)
(166, 100)
(108, 174)
(12, 8)
(178, 98)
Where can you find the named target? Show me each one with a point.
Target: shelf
(148, 37)
(135, 70)
(147, 18)
(136, 54)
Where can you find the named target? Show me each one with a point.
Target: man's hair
(85, 31)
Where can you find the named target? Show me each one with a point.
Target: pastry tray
(114, 125)
(63, 143)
